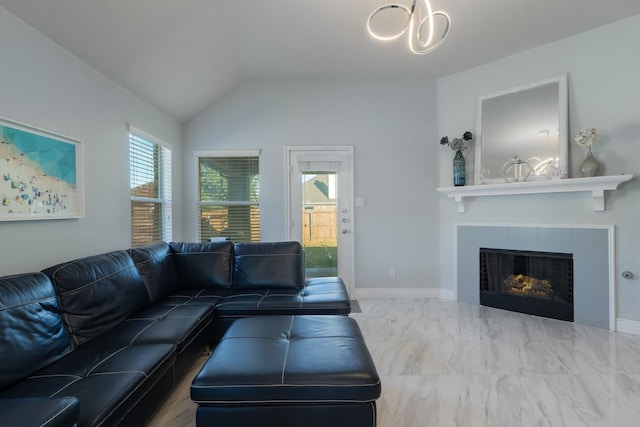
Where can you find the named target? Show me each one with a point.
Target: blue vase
(459, 178)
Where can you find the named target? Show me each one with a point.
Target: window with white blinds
(150, 183)
(228, 196)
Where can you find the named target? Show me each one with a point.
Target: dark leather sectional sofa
(102, 340)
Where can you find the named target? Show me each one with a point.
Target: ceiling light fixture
(420, 22)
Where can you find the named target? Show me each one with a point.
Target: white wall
(604, 92)
(45, 86)
(392, 126)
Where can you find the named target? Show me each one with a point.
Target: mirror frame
(563, 128)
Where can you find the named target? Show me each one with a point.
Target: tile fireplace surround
(591, 246)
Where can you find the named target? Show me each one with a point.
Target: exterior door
(320, 209)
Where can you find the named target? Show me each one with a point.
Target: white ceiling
(181, 55)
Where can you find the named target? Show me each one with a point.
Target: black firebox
(538, 283)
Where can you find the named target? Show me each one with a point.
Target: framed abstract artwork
(40, 174)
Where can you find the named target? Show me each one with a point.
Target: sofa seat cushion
(159, 324)
(32, 335)
(318, 296)
(209, 297)
(288, 359)
(97, 292)
(107, 382)
(327, 291)
(39, 411)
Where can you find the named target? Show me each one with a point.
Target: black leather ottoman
(278, 371)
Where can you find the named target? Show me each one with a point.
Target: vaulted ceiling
(181, 55)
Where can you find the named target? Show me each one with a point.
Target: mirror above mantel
(522, 133)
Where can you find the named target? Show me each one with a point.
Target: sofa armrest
(39, 411)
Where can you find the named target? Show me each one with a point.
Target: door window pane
(320, 223)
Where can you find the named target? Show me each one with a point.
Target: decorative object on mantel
(420, 21)
(516, 169)
(482, 174)
(554, 172)
(459, 164)
(586, 138)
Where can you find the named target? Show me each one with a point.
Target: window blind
(228, 198)
(150, 186)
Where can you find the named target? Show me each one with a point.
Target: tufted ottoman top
(274, 359)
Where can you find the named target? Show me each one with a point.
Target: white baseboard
(628, 326)
(438, 293)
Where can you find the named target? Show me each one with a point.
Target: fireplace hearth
(538, 283)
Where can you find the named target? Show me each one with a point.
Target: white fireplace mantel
(595, 185)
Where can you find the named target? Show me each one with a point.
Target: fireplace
(538, 283)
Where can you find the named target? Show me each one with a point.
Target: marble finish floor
(444, 363)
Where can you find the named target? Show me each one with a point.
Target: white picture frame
(40, 174)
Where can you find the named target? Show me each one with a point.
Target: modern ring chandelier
(420, 23)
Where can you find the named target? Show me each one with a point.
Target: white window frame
(218, 153)
(164, 182)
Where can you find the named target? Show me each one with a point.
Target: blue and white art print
(40, 174)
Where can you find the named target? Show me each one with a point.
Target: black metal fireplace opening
(538, 283)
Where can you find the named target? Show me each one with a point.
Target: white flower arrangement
(586, 137)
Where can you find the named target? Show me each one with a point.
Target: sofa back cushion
(157, 269)
(97, 292)
(32, 335)
(268, 265)
(204, 265)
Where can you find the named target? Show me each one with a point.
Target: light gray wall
(604, 87)
(45, 86)
(392, 126)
